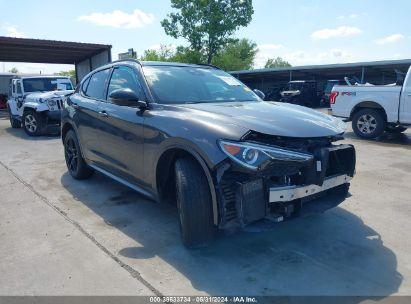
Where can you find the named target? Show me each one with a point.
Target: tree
(163, 54)
(277, 63)
(207, 24)
(13, 70)
(168, 53)
(71, 73)
(236, 55)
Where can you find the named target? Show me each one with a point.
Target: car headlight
(256, 157)
(51, 103)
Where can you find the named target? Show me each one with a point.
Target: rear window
(97, 85)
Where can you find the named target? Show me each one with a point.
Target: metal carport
(85, 56)
(271, 81)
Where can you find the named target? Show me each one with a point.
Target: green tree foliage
(13, 70)
(165, 53)
(187, 55)
(277, 63)
(236, 55)
(172, 54)
(207, 24)
(71, 73)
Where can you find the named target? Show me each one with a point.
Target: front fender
(12, 105)
(211, 155)
(203, 159)
(38, 107)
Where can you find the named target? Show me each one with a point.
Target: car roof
(147, 63)
(163, 63)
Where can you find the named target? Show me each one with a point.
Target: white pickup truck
(374, 109)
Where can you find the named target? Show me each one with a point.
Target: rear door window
(97, 86)
(85, 84)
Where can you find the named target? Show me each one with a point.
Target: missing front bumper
(315, 187)
(290, 193)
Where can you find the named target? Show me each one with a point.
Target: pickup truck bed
(373, 109)
(351, 97)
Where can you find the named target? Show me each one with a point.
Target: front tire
(194, 204)
(75, 162)
(368, 123)
(33, 123)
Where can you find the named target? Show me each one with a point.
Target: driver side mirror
(126, 98)
(259, 94)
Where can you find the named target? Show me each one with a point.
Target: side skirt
(124, 182)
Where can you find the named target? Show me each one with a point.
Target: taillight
(333, 97)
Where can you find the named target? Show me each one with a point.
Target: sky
(301, 32)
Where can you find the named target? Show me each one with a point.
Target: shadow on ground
(387, 139)
(21, 134)
(328, 254)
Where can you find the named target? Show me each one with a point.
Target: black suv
(301, 92)
(195, 135)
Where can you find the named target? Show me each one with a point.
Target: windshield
(46, 84)
(176, 84)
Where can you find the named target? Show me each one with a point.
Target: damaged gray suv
(195, 135)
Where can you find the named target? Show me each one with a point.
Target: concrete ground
(62, 236)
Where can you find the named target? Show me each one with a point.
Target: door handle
(103, 114)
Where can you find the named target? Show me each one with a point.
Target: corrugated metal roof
(47, 51)
(328, 66)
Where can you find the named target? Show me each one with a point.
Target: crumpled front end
(288, 187)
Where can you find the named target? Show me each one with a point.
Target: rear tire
(194, 204)
(76, 165)
(15, 123)
(33, 123)
(368, 123)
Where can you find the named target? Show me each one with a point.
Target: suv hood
(272, 118)
(49, 95)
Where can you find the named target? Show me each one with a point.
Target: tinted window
(97, 85)
(85, 84)
(176, 84)
(124, 78)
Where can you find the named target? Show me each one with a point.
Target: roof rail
(139, 62)
(209, 65)
(128, 59)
